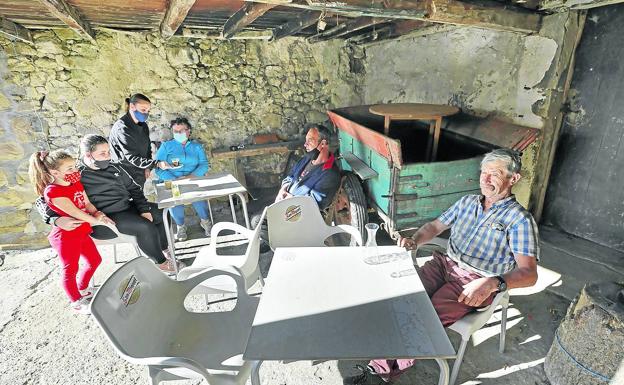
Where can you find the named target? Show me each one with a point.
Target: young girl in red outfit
(55, 176)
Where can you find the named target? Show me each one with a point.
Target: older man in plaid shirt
(493, 247)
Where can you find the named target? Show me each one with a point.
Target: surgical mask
(139, 116)
(101, 164)
(180, 137)
(72, 177)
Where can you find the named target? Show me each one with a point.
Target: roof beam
(576, 4)
(175, 15)
(482, 13)
(68, 15)
(14, 30)
(349, 26)
(304, 20)
(244, 16)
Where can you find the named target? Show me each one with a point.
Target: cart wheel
(350, 204)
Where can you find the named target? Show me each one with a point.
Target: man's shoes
(181, 234)
(367, 376)
(206, 225)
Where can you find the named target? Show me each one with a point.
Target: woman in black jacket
(130, 141)
(113, 191)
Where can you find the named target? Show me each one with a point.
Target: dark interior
(414, 136)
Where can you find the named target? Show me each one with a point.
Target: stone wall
(484, 72)
(54, 92)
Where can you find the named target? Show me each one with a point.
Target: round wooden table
(416, 111)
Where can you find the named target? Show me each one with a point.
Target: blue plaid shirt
(486, 242)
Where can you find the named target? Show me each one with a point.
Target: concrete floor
(43, 342)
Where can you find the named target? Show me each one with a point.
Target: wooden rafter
(14, 30)
(175, 15)
(483, 13)
(243, 17)
(304, 20)
(68, 15)
(347, 27)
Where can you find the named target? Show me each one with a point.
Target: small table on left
(197, 189)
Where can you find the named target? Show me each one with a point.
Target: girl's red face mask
(72, 177)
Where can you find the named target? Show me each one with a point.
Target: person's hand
(148, 216)
(147, 172)
(67, 223)
(477, 291)
(100, 216)
(283, 194)
(408, 243)
(164, 165)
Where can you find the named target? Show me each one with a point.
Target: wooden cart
(396, 176)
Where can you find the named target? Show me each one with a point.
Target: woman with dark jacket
(130, 141)
(115, 193)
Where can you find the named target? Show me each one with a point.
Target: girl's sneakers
(88, 293)
(81, 306)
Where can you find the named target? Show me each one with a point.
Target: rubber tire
(352, 187)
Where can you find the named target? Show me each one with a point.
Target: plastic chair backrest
(297, 222)
(142, 313)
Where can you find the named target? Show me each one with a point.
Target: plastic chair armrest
(221, 226)
(209, 272)
(353, 231)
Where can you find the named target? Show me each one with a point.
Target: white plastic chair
(207, 257)
(474, 321)
(142, 313)
(297, 222)
(119, 239)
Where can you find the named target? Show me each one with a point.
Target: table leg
(233, 209)
(430, 141)
(210, 211)
(386, 125)
(170, 241)
(255, 373)
(245, 213)
(436, 138)
(444, 371)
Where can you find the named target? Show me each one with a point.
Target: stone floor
(43, 342)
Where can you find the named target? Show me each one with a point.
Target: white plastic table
(327, 303)
(198, 189)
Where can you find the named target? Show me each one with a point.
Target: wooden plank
(438, 178)
(485, 14)
(243, 17)
(174, 17)
(70, 16)
(418, 211)
(258, 149)
(359, 167)
(387, 147)
(15, 31)
(303, 21)
(481, 13)
(196, 33)
(347, 27)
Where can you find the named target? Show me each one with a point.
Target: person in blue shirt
(188, 159)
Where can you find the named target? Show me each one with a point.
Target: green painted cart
(391, 175)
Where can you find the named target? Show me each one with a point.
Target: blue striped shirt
(486, 242)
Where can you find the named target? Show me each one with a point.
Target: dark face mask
(101, 164)
(314, 154)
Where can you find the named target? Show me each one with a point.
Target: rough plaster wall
(62, 88)
(481, 71)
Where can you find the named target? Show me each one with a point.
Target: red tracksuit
(71, 245)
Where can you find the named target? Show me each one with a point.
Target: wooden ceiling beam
(302, 21)
(244, 16)
(174, 16)
(15, 31)
(347, 27)
(481, 13)
(70, 16)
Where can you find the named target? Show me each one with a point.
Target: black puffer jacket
(131, 146)
(112, 190)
